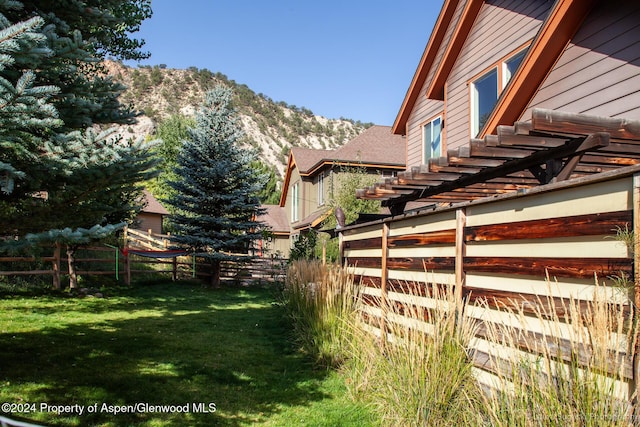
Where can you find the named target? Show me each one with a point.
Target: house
(493, 68)
(312, 176)
(275, 242)
(151, 216)
(522, 125)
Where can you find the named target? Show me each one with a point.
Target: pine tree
(59, 179)
(215, 200)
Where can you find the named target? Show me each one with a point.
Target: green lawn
(174, 344)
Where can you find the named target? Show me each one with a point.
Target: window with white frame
(432, 139)
(295, 201)
(321, 189)
(486, 89)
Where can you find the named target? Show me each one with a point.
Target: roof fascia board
(469, 15)
(426, 62)
(291, 164)
(315, 169)
(554, 35)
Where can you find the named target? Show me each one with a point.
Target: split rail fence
(533, 251)
(112, 261)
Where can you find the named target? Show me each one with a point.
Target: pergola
(554, 146)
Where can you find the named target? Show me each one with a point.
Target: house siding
(295, 178)
(599, 71)
(425, 108)
(500, 29)
(149, 222)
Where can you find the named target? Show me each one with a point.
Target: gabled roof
(152, 205)
(375, 147)
(275, 218)
(556, 31)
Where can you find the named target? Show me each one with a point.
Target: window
(486, 89)
(484, 95)
(321, 189)
(432, 139)
(510, 66)
(295, 201)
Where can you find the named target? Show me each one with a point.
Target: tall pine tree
(216, 189)
(59, 180)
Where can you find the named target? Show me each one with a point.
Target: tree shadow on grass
(163, 345)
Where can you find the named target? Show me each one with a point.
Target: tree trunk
(73, 276)
(214, 280)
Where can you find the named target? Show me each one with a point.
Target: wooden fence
(498, 252)
(122, 265)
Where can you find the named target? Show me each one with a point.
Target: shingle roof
(376, 145)
(275, 218)
(152, 205)
(307, 158)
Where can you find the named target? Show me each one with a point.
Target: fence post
(461, 251)
(56, 266)
(127, 267)
(175, 269)
(636, 286)
(384, 275)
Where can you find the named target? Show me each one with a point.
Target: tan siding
(501, 27)
(149, 221)
(599, 72)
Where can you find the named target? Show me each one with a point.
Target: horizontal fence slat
(570, 226)
(562, 267)
(423, 239)
(26, 273)
(373, 242)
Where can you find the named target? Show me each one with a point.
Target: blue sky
(349, 58)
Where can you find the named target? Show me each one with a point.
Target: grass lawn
(174, 344)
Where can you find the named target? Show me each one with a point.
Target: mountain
(272, 127)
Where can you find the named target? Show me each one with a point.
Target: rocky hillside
(272, 127)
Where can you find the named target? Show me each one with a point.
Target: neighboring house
(151, 216)
(312, 175)
(488, 69)
(275, 241)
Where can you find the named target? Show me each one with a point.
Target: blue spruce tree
(216, 188)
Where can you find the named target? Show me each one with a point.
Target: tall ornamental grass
(419, 372)
(417, 369)
(320, 299)
(571, 377)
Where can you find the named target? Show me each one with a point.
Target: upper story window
(486, 89)
(432, 139)
(321, 189)
(295, 201)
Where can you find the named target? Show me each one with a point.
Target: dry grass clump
(419, 372)
(572, 372)
(319, 299)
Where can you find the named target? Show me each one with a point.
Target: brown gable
(376, 146)
(306, 158)
(152, 205)
(556, 32)
(426, 62)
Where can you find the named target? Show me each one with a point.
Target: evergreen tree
(215, 202)
(57, 178)
(270, 194)
(170, 134)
